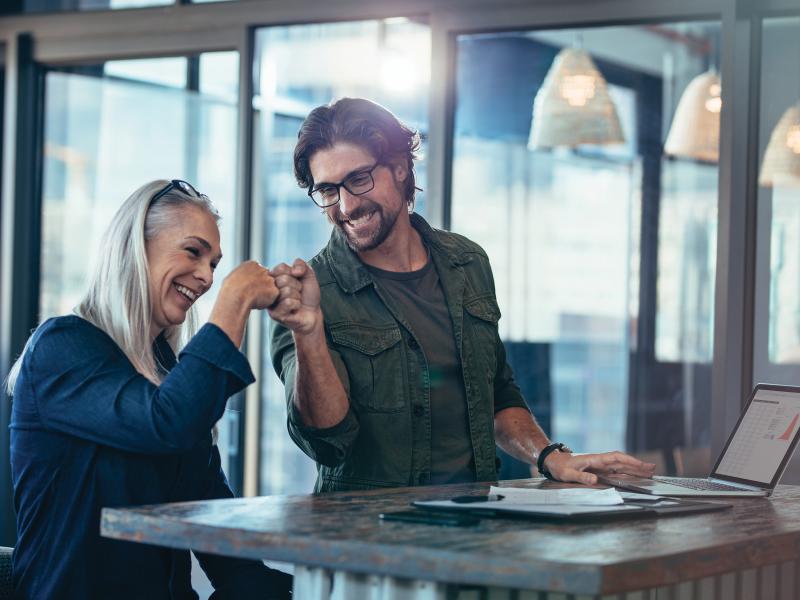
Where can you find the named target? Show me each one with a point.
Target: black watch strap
(544, 454)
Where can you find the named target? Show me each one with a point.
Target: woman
(104, 415)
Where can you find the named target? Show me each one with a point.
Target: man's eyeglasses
(180, 185)
(358, 183)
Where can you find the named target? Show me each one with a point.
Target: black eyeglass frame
(343, 184)
(180, 185)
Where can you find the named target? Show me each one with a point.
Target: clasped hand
(298, 304)
(581, 468)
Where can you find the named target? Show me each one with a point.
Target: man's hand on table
(581, 468)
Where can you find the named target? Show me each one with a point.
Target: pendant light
(781, 165)
(694, 132)
(573, 106)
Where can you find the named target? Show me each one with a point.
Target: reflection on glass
(299, 68)
(108, 129)
(777, 330)
(171, 72)
(687, 238)
(603, 255)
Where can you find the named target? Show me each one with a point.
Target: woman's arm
(82, 384)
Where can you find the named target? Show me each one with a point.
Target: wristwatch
(545, 453)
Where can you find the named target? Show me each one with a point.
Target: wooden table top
(342, 531)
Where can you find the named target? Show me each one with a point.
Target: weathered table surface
(341, 531)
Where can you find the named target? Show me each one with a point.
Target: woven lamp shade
(781, 164)
(573, 106)
(695, 127)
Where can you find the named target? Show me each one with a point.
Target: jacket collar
(350, 273)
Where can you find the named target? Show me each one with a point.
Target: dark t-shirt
(418, 295)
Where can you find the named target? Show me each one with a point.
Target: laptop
(753, 460)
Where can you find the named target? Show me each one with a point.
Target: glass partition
(776, 344)
(589, 174)
(111, 127)
(297, 69)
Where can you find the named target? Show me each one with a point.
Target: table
(342, 551)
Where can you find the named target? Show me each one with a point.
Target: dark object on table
(430, 518)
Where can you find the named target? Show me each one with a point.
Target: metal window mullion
(771, 8)
(177, 18)
(7, 519)
(71, 50)
(577, 14)
(732, 371)
(22, 220)
(192, 117)
(250, 423)
(441, 120)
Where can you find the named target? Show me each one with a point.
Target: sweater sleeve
(83, 385)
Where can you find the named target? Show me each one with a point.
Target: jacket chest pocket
(374, 360)
(481, 316)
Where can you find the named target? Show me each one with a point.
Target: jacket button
(418, 410)
(412, 343)
(423, 478)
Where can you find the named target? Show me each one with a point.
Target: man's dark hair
(360, 122)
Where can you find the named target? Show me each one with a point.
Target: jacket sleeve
(506, 391)
(236, 578)
(83, 385)
(329, 446)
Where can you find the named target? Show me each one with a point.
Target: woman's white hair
(118, 298)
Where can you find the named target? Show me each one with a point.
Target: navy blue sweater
(88, 431)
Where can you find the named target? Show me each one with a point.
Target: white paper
(571, 496)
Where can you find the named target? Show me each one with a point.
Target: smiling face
(368, 219)
(181, 259)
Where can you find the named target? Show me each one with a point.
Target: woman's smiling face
(181, 260)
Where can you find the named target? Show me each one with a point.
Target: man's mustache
(362, 210)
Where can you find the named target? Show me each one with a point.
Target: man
(387, 341)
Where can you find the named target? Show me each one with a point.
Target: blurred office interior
(632, 168)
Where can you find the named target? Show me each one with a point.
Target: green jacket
(385, 438)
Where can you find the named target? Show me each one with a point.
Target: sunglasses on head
(180, 185)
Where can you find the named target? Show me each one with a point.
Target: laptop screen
(762, 442)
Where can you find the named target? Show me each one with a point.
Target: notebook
(753, 460)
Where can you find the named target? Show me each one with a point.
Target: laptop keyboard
(699, 484)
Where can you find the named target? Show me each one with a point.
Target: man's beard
(380, 232)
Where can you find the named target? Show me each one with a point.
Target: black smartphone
(430, 518)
